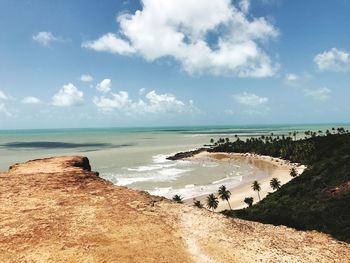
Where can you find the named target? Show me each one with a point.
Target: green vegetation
(178, 199)
(319, 198)
(275, 184)
(224, 194)
(212, 202)
(293, 172)
(197, 203)
(249, 201)
(256, 187)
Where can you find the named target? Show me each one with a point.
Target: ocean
(136, 157)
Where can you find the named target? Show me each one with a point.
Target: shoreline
(271, 167)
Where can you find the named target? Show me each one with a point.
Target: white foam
(172, 172)
(190, 191)
(127, 180)
(210, 165)
(161, 158)
(152, 167)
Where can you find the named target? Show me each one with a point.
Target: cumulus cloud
(180, 29)
(3, 96)
(46, 38)
(31, 100)
(68, 95)
(250, 99)
(320, 94)
(244, 6)
(110, 43)
(150, 103)
(104, 86)
(86, 78)
(333, 60)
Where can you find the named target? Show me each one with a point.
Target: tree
(275, 184)
(293, 172)
(295, 135)
(197, 203)
(224, 194)
(178, 199)
(212, 202)
(211, 140)
(249, 201)
(256, 187)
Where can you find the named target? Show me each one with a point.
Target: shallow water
(137, 157)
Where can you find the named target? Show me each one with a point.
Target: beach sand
(272, 168)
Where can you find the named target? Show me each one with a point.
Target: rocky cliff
(57, 210)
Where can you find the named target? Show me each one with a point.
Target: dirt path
(57, 210)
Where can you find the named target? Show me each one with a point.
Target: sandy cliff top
(57, 210)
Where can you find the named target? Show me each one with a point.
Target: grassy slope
(307, 202)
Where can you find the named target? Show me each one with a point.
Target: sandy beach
(272, 168)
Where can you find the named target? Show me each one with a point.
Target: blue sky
(66, 64)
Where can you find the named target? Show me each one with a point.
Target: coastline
(270, 166)
(58, 210)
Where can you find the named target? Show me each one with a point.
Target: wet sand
(270, 166)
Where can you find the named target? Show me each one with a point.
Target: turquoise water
(136, 157)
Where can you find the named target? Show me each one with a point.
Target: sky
(75, 64)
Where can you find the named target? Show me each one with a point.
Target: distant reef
(187, 154)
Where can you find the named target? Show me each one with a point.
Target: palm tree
(224, 194)
(197, 203)
(212, 202)
(295, 135)
(249, 201)
(275, 184)
(293, 172)
(211, 140)
(256, 187)
(178, 199)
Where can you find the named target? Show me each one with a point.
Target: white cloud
(180, 29)
(110, 43)
(31, 100)
(68, 95)
(292, 77)
(86, 78)
(318, 94)
(150, 103)
(4, 110)
(250, 99)
(244, 6)
(333, 60)
(104, 86)
(118, 100)
(294, 80)
(142, 91)
(3, 96)
(46, 38)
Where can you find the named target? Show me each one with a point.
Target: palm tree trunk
(259, 195)
(229, 204)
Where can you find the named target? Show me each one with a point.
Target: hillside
(57, 210)
(319, 199)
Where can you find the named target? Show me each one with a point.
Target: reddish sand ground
(57, 210)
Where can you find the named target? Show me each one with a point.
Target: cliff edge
(58, 210)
